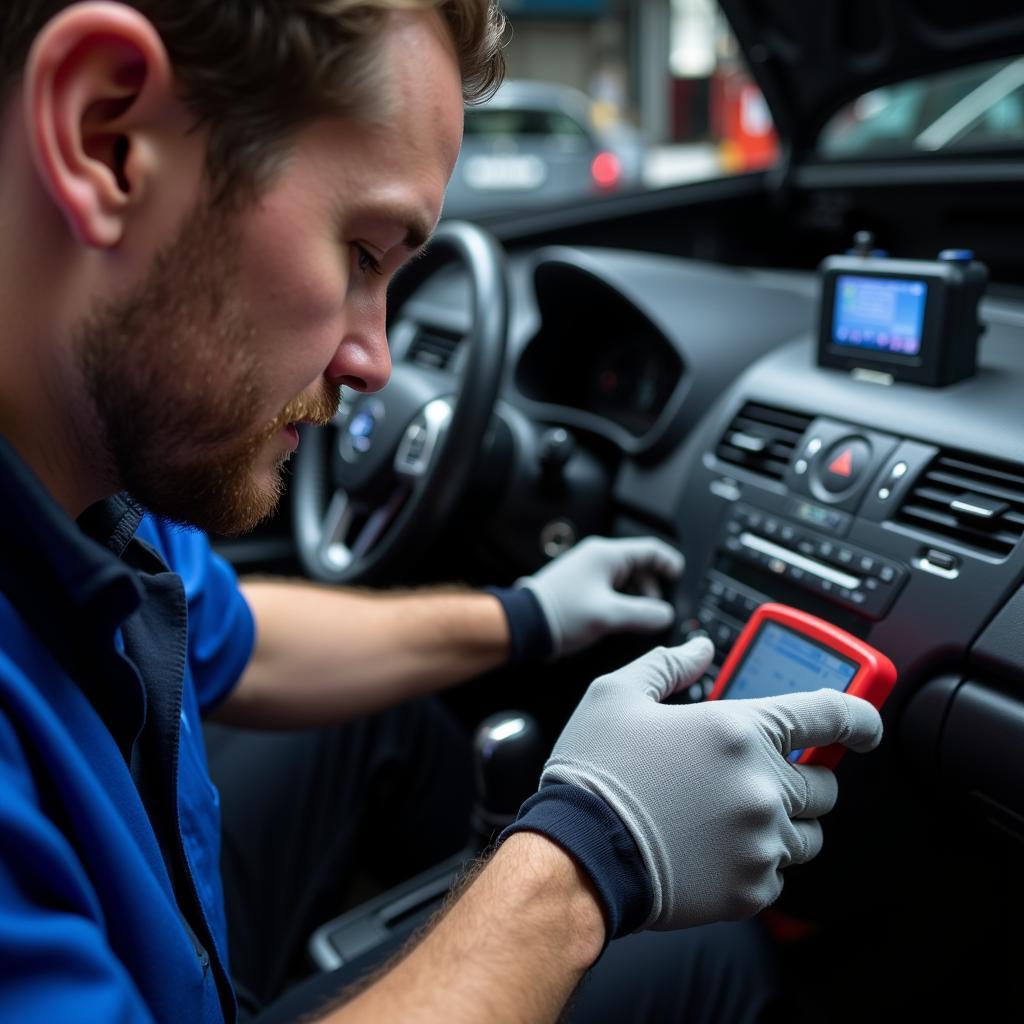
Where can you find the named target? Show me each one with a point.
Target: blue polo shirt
(116, 634)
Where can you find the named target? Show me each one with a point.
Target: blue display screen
(782, 661)
(879, 314)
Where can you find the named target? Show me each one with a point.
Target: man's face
(250, 321)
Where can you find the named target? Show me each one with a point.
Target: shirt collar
(66, 579)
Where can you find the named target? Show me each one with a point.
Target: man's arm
(325, 655)
(512, 948)
(669, 816)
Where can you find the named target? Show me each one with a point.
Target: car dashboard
(896, 511)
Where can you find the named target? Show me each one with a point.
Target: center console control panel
(793, 547)
(850, 576)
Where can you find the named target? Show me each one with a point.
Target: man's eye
(366, 262)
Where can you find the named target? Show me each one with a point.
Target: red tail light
(606, 170)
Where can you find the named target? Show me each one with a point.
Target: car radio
(859, 580)
(762, 557)
(914, 320)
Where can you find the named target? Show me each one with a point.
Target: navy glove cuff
(529, 633)
(588, 830)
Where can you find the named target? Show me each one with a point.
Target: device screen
(780, 660)
(880, 314)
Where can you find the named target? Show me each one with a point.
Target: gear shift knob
(508, 755)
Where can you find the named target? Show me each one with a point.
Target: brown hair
(254, 71)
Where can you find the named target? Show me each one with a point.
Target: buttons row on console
(846, 574)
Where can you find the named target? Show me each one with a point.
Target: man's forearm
(325, 654)
(512, 949)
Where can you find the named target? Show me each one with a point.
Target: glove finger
(820, 718)
(818, 790)
(806, 841)
(659, 673)
(631, 553)
(643, 614)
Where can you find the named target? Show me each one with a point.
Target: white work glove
(705, 790)
(578, 590)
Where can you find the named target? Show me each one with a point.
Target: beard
(173, 378)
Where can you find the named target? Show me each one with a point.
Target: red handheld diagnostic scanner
(783, 650)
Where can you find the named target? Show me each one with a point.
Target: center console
(895, 511)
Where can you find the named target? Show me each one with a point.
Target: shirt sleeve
(583, 825)
(221, 627)
(56, 962)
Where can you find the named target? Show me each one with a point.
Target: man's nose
(362, 361)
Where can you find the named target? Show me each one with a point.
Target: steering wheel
(372, 489)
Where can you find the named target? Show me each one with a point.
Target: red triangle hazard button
(845, 465)
(842, 464)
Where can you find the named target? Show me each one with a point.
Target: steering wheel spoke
(350, 530)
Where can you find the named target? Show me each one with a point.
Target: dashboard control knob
(555, 448)
(559, 535)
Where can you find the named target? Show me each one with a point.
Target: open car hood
(810, 57)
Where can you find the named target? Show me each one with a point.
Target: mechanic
(202, 203)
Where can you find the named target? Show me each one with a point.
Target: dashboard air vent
(762, 439)
(975, 501)
(433, 347)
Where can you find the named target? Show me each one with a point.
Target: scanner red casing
(873, 680)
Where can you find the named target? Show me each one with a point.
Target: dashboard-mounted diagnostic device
(915, 320)
(783, 650)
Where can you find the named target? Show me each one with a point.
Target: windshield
(976, 108)
(605, 97)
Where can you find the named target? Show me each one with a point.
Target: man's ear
(99, 90)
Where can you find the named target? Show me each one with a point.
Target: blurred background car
(540, 142)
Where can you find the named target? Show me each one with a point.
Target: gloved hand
(705, 790)
(577, 591)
